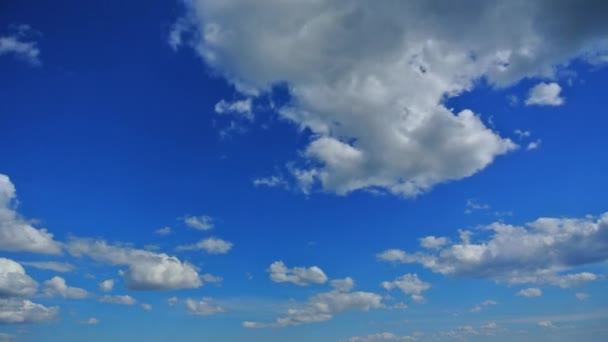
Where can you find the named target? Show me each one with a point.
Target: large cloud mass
(370, 78)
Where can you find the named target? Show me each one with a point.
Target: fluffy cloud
(17, 44)
(279, 273)
(62, 267)
(203, 307)
(530, 292)
(24, 311)
(14, 281)
(121, 300)
(541, 252)
(16, 233)
(146, 306)
(545, 94)
(370, 79)
(147, 270)
(210, 245)
(432, 242)
(106, 285)
(409, 284)
(343, 285)
(202, 222)
(322, 307)
(56, 287)
(384, 336)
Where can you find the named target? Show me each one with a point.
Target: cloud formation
(541, 252)
(14, 282)
(370, 79)
(14, 310)
(18, 234)
(409, 284)
(279, 273)
(530, 292)
(19, 44)
(545, 94)
(204, 307)
(202, 222)
(56, 287)
(210, 245)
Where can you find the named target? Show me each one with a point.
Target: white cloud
(202, 222)
(279, 273)
(541, 252)
(90, 321)
(545, 324)
(210, 245)
(106, 285)
(163, 231)
(16, 44)
(322, 307)
(384, 336)
(533, 145)
(343, 285)
(522, 134)
(240, 108)
(545, 94)
(370, 79)
(16, 233)
(118, 299)
(62, 267)
(581, 295)
(409, 284)
(172, 301)
(146, 306)
(24, 311)
(472, 205)
(432, 242)
(14, 281)
(203, 307)
(210, 278)
(479, 307)
(530, 292)
(147, 270)
(56, 287)
(271, 182)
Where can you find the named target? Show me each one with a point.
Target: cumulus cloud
(106, 285)
(322, 307)
(19, 44)
(62, 267)
(210, 245)
(204, 307)
(545, 94)
(432, 242)
(384, 336)
(544, 251)
(530, 292)
(147, 270)
(343, 285)
(14, 281)
(14, 310)
(279, 273)
(56, 287)
(118, 299)
(370, 79)
(90, 321)
(16, 233)
(202, 222)
(409, 284)
(533, 145)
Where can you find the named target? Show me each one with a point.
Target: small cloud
(210, 245)
(472, 206)
(240, 108)
(530, 292)
(122, 300)
(545, 94)
(480, 307)
(172, 301)
(533, 145)
(271, 182)
(202, 222)
(106, 285)
(146, 306)
(90, 321)
(163, 231)
(522, 134)
(581, 295)
(545, 324)
(16, 44)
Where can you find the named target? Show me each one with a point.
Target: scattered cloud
(18, 234)
(56, 287)
(271, 182)
(533, 145)
(384, 336)
(19, 44)
(62, 267)
(480, 307)
(202, 222)
(581, 295)
(210, 245)
(522, 134)
(409, 284)
(204, 307)
(432, 242)
(146, 306)
(530, 292)
(14, 310)
(322, 307)
(210, 278)
(279, 273)
(90, 321)
(545, 94)
(118, 299)
(14, 282)
(473, 205)
(343, 285)
(172, 301)
(163, 231)
(541, 252)
(546, 324)
(241, 108)
(147, 270)
(106, 285)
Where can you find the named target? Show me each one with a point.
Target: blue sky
(303, 171)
